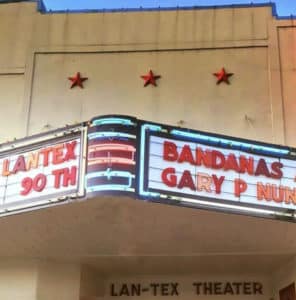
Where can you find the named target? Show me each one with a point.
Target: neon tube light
(231, 143)
(111, 187)
(103, 160)
(120, 147)
(120, 121)
(107, 134)
(145, 127)
(109, 174)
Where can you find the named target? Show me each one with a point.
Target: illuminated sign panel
(183, 166)
(121, 155)
(47, 169)
(111, 164)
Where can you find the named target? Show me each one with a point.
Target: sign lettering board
(41, 170)
(187, 167)
(111, 163)
(152, 161)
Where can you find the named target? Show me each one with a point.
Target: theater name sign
(155, 162)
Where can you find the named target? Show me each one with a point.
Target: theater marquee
(121, 155)
(198, 169)
(42, 170)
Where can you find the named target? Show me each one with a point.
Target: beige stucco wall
(186, 92)
(28, 279)
(59, 279)
(287, 47)
(18, 279)
(114, 49)
(47, 279)
(11, 101)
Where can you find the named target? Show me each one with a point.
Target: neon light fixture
(110, 160)
(120, 121)
(110, 187)
(234, 144)
(110, 147)
(109, 174)
(109, 134)
(144, 129)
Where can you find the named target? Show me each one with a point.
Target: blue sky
(284, 7)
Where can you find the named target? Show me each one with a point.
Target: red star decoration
(77, 80)
(150, 78)
(223, 76)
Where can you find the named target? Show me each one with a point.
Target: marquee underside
(119, 235)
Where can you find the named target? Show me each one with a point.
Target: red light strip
(106, 147)
(110, 160)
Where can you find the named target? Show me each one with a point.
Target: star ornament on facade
(150, 78)
(223, 76)
(77, 80)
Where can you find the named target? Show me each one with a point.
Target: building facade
(226, 70)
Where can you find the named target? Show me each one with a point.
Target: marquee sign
(211, 171)
(123, 155)
(111, 164)
(41, 170)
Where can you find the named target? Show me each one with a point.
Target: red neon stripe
(104, 160)
(121, 147)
